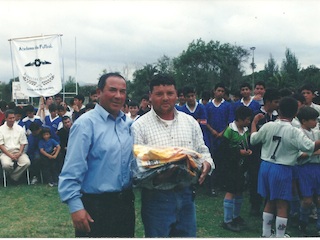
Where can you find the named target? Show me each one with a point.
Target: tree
(140, 83)
(290, 69)
(310, 75)
(204, 64)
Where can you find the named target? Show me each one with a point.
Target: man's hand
(81, 220)
(205, 169)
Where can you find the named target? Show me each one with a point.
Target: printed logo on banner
(38, 61)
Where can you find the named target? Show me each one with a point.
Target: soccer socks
(267, 219)
(228, 210)
(294, 205)
(281, 225)
(304, 214)
(237, 201)
(318, 220)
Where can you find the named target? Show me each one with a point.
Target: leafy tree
(290, 69)
(310, 75)
(140, 83)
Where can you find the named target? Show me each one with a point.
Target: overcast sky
(114, 34)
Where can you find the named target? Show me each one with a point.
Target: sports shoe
(231, 226)
(51, 184)
(34, 180)
(240, 222)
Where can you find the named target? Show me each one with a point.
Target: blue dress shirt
(99, 157)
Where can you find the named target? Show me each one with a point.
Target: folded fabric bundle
(152, 161)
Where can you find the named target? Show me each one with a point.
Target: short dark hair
(34, 126)
(18, 110)
(58, 95)
(188, 89)
(309, 87)
(161, 79)
(288, 107)
(145, 97)
(53, 107)
(80, 97)
(45, 130)
(260, 83)
(307, 113)
(271, 94)
(206, 95)
(65, 118)
(133, 104)
(299, 97)
(29, 108)
(9, 111)
(220, 85)
(93, 92)
(61, 108)
(104, 77)
(242, 113)
(245, 84)
(285, 92)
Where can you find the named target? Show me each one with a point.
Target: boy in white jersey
(281, 143)
(309, 169)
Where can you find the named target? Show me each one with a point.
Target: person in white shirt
(12, 143)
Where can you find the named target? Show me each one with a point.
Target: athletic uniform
(281, 143)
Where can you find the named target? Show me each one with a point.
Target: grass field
(36, 212)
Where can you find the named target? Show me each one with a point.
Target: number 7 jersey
(281, 142)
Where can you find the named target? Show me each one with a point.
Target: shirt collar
(105, 114)
(155, 115)
(234, 127)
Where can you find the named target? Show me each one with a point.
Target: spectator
(53, 121)
(33, 151)
(144, 105)
(49, 150)
(12, 143)
(78, 107)
(30, 118)
(133, 110)
(63, 135)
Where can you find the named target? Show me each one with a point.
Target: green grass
(36, 212)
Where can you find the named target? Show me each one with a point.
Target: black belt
(123, 195)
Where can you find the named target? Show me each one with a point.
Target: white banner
(39, 63)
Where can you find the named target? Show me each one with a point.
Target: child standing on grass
(49, 150)
(281, 146)
(309, 170)
(235, 146)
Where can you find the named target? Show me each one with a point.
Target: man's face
(245, 92)
(219, 93)
(259, 90)
(275, 104)
(182, 99)
(54, 114)
(77, 102)
(10, 119)
(191, 99)
(133, 110)
(30, 114)
(144, 103)
(58, 100)
(113, 95)
(163, 98)
(67, 123)
(308, 95)
(94, 97)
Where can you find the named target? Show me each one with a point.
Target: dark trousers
(49, 169)
(113, 214)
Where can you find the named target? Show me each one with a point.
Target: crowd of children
(267, 142)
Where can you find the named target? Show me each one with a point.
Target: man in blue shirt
(96, 181)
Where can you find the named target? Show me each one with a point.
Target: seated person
(12, 143)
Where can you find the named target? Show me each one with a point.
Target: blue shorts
(295, 172)
(275, 181)
(309, 179)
